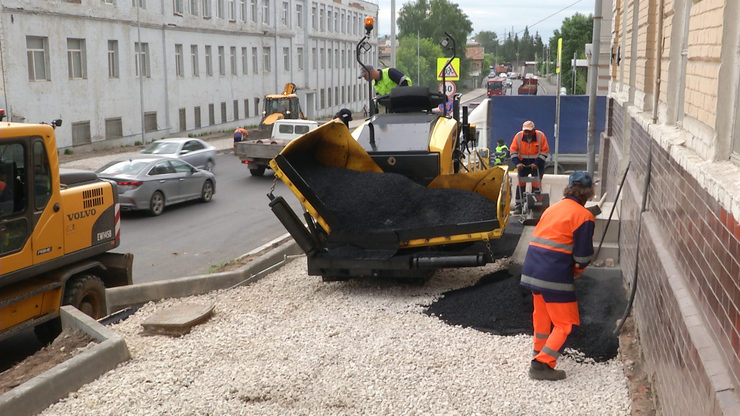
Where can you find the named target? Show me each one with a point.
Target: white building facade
(117, 73)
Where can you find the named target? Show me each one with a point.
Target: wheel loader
(56, 232)
(401, 196)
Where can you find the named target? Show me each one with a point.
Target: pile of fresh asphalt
(499, 305)
(364, 202)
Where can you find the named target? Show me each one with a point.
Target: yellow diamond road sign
(453, 71)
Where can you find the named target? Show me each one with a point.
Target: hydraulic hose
(646, 186)
(611, 213)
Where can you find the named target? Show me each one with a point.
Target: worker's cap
(580, 178)
(344, 115)
(362, 70)
(528, 125)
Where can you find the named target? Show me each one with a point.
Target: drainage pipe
(611, 213)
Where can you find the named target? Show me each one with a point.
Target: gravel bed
(290, 344)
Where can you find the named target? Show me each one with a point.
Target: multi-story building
(120, 71)
(674, 117)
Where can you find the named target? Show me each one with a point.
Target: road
(192, 238)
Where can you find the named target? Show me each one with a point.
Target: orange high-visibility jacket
(523, 150)
(562, 238)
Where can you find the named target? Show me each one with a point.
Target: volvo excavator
(404, 194)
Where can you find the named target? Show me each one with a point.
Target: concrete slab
(177, 320)
(37, 394)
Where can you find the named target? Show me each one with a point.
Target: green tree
(425, 65)
(431, 19)
(489, 41)
(576, 32)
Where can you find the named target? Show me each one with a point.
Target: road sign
(453, 71)
(451, 88)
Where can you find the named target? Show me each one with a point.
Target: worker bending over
(385, 80)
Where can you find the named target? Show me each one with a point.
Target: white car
(194, 151)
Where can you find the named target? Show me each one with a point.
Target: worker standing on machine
(385, 80)
(561, 248)
(502, 154)
(529, 151)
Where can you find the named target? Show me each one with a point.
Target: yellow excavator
(280, 106)
(57, 228)
(404, 194)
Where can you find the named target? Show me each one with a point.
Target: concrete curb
(274, 254)
(45, 389)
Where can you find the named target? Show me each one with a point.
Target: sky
(503, 16)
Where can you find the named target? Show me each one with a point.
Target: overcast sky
(502, 16)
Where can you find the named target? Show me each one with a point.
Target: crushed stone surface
(290, 344)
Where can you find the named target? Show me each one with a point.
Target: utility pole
(393, 34)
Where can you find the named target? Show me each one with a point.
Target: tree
(576, 32)
(431, 19)
(406, 60)
(489, 41)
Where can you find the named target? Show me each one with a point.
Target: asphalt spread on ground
(499, 305)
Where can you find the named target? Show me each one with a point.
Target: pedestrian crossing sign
(453, 71)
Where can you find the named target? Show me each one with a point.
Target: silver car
(194, 151)
(153, 182)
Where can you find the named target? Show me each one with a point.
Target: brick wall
(702, 70)
(668, 12)
(646, 33)
(687, 303)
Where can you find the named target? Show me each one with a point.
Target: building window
(328, 96)
(76, 60)
(211, 114)
(266, 11)
(142, 59)
(299, 53)
(329, 61)
(285, 18)
(38, 58)
(177, 6)
(196, 117)
(266, 59)
(343, 61)
(233, 60)
(246, 108)
(221, 61)
(322, 18)
(194, 59)
(182, 119)
(314, 17)
(323, 58)
(81, 133)
(142, 3)
(150, 121)
(113, 128)
(253, 9)
(220, 9)
(243, 10)
(207, 9)
(209, 61)
(194, 7)
(336, 95)
(255, 62)
(223, 112)
(232, 10)
(299, 15)
(322, 98)
(286, 59)
(236, 109)
(314, 59)
(179, 61)
(329, 21)
(113, 59)
(256, 107)
(245, 67)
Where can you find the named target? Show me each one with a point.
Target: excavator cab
(281, 106)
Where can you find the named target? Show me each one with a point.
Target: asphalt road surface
(195, 237)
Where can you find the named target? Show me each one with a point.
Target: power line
(547, 17)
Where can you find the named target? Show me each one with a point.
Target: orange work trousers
(552, 323)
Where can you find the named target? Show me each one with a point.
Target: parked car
(194, 151)
(153, 182)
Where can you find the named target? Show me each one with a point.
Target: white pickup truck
(257, 153)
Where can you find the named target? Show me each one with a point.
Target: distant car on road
(194, 151)
(153, 182)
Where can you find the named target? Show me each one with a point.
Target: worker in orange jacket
(529, 151)
(561, 248)
(239, 135)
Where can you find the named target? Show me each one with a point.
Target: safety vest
(562, 238)
(386, 84)
(501, 154)
(524, 150)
